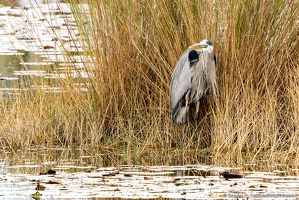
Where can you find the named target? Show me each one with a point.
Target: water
(27, 2)
(143, 182)
(72, 173)
(38, 42)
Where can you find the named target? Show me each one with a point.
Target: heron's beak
(195, 47)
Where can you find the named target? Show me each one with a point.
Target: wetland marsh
(85, 94)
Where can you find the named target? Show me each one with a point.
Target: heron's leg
(183, 138)
(187, 98)
(197, 121)
(197, 110)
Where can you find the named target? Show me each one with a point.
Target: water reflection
(41, 38)
(27, 2)
(79, 179)
(8, 63)
(33, 2)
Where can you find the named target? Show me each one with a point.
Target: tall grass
(134, 46)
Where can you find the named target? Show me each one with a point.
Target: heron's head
(205, 44)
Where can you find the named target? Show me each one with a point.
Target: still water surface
(27, 2)
(40, 42)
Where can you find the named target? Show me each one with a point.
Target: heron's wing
(180, 83)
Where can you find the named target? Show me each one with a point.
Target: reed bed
(134, 46)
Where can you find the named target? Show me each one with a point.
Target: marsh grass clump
(134, 46)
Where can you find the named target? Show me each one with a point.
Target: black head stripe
(209, 42)
(193, 57)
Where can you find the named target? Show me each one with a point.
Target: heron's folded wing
(180, 82)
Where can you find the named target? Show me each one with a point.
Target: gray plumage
(193, 78)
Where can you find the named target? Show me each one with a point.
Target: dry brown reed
(134, 46)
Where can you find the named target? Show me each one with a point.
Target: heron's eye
(193, 57)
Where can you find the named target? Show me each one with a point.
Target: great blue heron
(193, 78)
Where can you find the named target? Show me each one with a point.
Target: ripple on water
(145, 182)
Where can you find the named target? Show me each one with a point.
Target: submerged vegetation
(125, 108)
